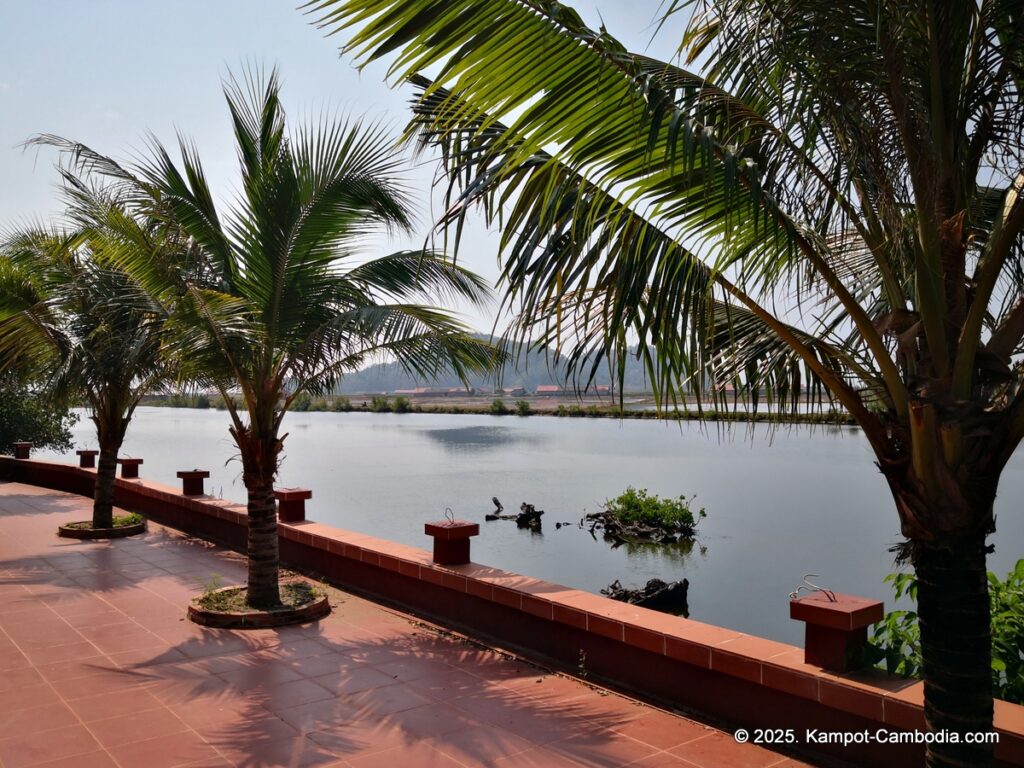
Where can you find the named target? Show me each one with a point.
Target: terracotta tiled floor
(99, 668)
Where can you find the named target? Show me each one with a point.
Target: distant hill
(532, 370)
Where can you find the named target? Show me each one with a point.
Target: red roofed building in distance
(548, 390)
(436, 392)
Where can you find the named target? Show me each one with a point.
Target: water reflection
(476, 438)
(676, 553)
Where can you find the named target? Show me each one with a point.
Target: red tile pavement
(99, 667)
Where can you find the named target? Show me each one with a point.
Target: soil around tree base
(225, 608)
(84, 530)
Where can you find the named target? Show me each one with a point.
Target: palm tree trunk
(259, 455)
(103, 493)
(262, 546)
(956, 647)
(111, 425)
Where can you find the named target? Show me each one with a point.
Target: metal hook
(449, 515)
(810, 587)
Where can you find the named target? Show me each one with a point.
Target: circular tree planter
(84, 530)
(225, 608)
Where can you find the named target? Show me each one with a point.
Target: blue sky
(106, 72)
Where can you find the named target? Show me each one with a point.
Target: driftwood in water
(529, 517)
(615, 530)
(668, 597)
(498, 509)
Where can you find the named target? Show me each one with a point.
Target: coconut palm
(272, 299)
(832, 205)
(81, 327)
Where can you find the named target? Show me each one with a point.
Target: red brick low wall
(737, 679)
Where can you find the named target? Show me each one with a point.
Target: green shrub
(302, 402)
(342, 404)
(523, 407)
(896, 639)
(26, 415)
(380, 404)
(636, 506)
(498, 408)
(896, 643)
(401, 405)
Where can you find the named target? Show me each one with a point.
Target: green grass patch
(120, 521)
(133, 518)
(293, 595)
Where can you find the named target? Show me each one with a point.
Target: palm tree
(831, 206)
(80, 326)
(272, 298)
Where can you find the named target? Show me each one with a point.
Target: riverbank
(637, 407)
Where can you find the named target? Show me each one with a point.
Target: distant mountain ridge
(529, 371)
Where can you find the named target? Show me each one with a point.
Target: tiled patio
(98, 668)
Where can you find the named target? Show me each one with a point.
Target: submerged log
(668, 597)
(528, 516)
(498, 509)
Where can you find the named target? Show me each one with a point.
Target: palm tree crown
(80, 325)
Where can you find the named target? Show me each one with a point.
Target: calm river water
(780, 503)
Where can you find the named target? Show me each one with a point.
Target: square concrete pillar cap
(451, 529)
(292, 494)
(846, 612)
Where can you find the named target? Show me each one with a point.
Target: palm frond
(620, 125)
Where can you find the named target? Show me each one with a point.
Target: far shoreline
(637, 407)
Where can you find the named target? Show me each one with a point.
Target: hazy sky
(106, 72)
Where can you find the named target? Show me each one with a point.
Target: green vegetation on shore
(26, 415)
(185, 401)
(401, 404)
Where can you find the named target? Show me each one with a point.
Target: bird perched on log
(498, 509)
